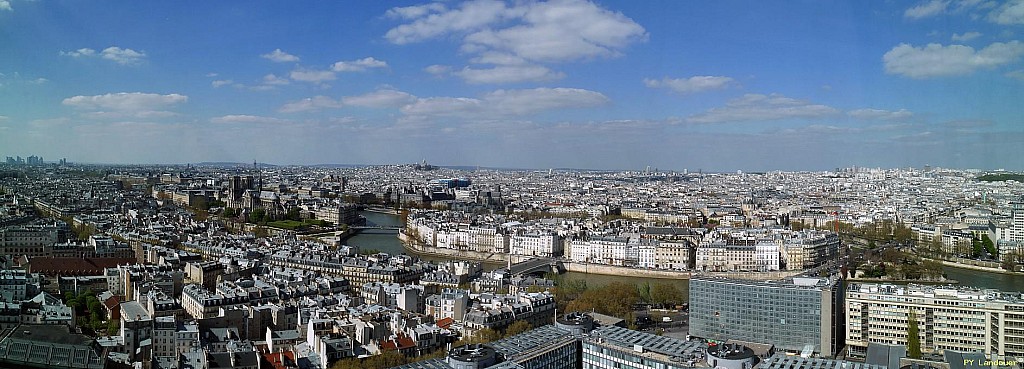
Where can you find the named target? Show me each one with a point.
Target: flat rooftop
(56, 333)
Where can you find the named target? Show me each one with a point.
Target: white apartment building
(724, 252)
(672, 255)
(546, 244)
(948, 318)
(810, 249)
(451, 303)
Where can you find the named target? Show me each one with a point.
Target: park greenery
(615, 299)
(880, 231)
(91, 313)
(894, 263)
(1000, 177)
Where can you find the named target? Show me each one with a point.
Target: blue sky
(723, 86)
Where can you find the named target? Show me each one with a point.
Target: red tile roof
(445, 323)
(276, 362)
(400, 343)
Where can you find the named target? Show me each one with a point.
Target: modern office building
(784, 361)
(959, 319)
(548, 347)
(49, 346)
(620, 348)
(545, 347)
(795, 315)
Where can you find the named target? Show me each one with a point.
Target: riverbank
(417, 248)
(903, 281)
(382, 210)
(975, 267)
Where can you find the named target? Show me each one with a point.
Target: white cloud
(247, 119)
(358, 65)
(506, 103)
(125, 101)
(561, 31)
(279, 56)
(413, 12)
(311, 75)
(1011, 12)
(692, 84)
(437, 69)
(928, 9)
(221, 82)
(310, 104)
(553, 31)
(509, 74)
(878, 114)
(383, 98)
(83, 52)
(758, 107)
(4, 118)
(436, 21)
(966, 36)
(6, 5)
(1016, 74)
(935, 60)
(122, 56)
(113, 53)
(274, 80)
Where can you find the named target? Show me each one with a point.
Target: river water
(390, 243)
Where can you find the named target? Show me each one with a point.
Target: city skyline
(747, 86)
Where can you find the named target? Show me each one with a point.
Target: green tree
(645, 292)
(913, 336)
(935, 247)
(258, 215)
(293, 214)
(931, 269)
(615, 299)
(568, 290)
(517, 327)
(201, 203)
(977, 248)
(666, 294)
(1009, 263)
(385, 360)
(484, 335)
(989, 245)
(229, 212)
(113, 326)
(902, 234)
(260, 232)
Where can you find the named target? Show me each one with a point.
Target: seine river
(389, 243)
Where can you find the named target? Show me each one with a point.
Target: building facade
(792, 314)
(948, 318)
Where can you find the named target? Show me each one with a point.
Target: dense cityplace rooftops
(180, 266)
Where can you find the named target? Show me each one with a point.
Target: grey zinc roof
(660, 344)
(529, 340)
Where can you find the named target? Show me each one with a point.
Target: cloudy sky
(722, 86)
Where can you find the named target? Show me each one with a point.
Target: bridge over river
(537, 265)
